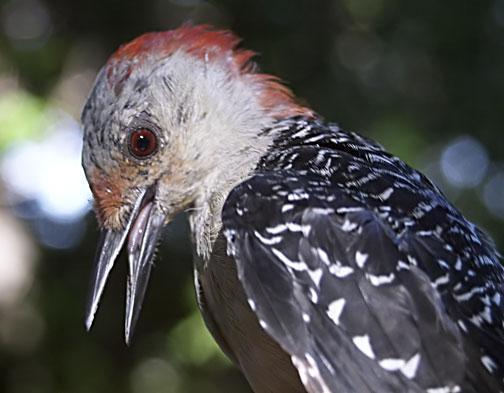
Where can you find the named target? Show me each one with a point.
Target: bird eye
(143, 143)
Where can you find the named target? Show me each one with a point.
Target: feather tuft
(209, 45)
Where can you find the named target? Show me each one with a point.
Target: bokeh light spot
(154, 375)
(358, 51)
(21, 329)
(16, 261)
(498, 12)
(26, 20)
(50, 172)
(192, 344)
(493, 195)
(22, 116)
(464, 162)
(186, 3)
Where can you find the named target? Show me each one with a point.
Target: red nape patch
(209, 45)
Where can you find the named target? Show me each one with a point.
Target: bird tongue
(143, 237)
(137, 231)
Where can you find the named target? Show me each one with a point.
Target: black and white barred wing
(331, 282)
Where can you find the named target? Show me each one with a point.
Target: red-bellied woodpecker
(322, 262)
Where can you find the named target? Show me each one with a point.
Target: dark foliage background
(425, 78)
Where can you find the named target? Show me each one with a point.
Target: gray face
(145, 101)
(124, 147)
(110, 117)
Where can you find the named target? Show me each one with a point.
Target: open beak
(142, 233)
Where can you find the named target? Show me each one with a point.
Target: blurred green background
(425, 78)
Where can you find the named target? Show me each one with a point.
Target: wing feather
(360, 304)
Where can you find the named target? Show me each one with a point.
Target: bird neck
(205, 217)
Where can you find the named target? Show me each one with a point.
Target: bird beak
(142, 232)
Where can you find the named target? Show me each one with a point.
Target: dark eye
(142, 143)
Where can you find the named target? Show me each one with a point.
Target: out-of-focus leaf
(190, 343)
(22, 116)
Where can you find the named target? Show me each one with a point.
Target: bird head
(174, 120)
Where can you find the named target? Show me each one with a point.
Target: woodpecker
(322, 263)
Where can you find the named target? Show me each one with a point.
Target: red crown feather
(209, 45)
